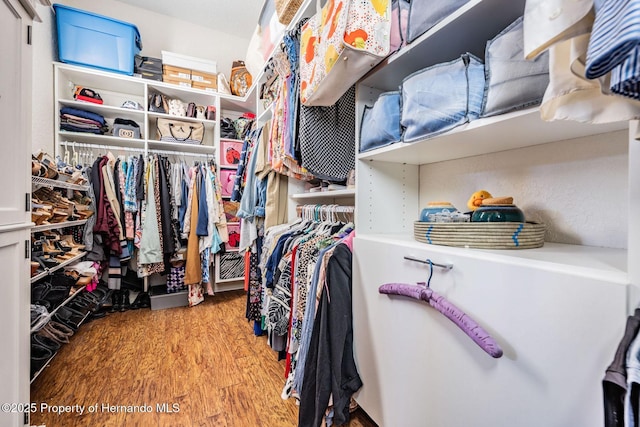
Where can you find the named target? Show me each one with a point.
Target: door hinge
(26, 418)
(29, 31)
(27, 202)
(27, 250)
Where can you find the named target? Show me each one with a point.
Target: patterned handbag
(340, 44)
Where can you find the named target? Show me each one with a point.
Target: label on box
(176, 81)
(201, 79)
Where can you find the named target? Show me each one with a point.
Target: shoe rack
(72, 255)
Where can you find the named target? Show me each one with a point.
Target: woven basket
(481, 235)
(286, 10)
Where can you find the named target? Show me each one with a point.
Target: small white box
(191, 62)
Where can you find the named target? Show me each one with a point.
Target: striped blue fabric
(625, 78)
(615, 34)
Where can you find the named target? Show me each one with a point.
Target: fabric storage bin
(97, 41)
(424, 14)
(512, 81)
(441, 97)
(125, 128)
(380, 124)
(399, 22)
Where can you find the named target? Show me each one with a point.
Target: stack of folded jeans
(76, 120)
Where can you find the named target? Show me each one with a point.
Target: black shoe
(125, 303)
(116, 301)
(145, 301)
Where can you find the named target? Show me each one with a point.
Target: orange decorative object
(356, 38)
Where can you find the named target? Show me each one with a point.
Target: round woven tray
(481, 235)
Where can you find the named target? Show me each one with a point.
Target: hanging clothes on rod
(301, 263)
(144, 202)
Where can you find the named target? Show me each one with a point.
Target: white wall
(158, 32)
(577, 187)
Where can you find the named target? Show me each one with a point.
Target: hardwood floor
(204, 363)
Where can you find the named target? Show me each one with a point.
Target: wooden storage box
(176, 72)
(204, 86)
(176, 80)
(190, 62)
(206, 78)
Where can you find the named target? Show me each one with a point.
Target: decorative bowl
(498, 213)
(436, 208)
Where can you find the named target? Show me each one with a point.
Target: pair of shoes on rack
(56, 331)
(120, 300)
(42, 165)
(142, 300)
(52, 345)
(69, 317)
(40, 355)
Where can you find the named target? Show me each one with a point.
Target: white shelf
(99, 80)
(465, 30)
(236, 103)
(57, 184)
(266, 115)
(57, 225)
(592, 262)
(331, 194)
(207, 123)
(488, 135)
(90, 138)
(102, 109)
(57, 267)
(104, 80)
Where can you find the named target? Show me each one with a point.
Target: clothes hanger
(422, 291)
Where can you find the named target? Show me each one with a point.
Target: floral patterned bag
(340, 44)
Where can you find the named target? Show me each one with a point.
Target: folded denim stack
(381, 122)
(77, 120)
(441, 97)
(513, 82)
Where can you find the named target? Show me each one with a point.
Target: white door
(14, 334)
(14, 129)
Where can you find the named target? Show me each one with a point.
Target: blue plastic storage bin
(97, 41)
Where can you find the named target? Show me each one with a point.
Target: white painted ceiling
(237, 17)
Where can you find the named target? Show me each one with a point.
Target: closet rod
(68, 144)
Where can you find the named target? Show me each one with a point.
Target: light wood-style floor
(205, 359)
